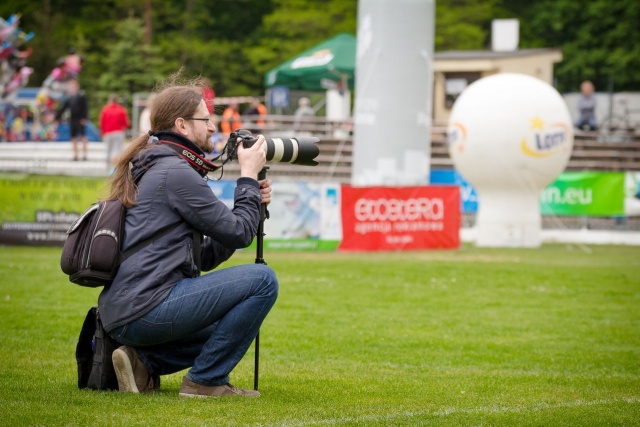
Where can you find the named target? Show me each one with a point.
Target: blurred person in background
(230, 120)
(73, 61)
(114, 121)
(208, 95)
(78, 107)
(587, 107)
(144, 123)
(304, 110)
(257, 112)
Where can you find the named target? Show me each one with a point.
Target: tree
(600, 39)
(235, 42)
(131, 66)
(293, 27)
(463, 24)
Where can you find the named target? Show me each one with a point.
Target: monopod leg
(264, 213)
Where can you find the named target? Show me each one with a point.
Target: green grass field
(473, 337)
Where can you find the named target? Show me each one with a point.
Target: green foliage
(600, 40)
(505, 337)
(295, 26)
(130, 66)
(234, 42)
(463, 24)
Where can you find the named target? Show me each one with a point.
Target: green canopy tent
(332, 60)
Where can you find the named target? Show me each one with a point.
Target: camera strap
(195, 159)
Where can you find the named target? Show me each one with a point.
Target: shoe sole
(124, 372)
(215, 397)
(194, 395)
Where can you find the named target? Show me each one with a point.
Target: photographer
(168, 316)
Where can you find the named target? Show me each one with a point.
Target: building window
(454, 84)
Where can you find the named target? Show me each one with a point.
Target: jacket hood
(146, 159)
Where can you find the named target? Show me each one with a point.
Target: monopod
(264, 214)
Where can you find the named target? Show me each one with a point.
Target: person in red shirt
(208, 95)
(114, 121)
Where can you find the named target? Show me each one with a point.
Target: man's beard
(206, 145)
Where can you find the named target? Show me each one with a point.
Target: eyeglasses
(206, 120)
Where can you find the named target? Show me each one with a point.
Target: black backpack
(92, 251)
(93, 355)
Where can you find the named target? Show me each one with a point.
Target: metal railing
(335, 158)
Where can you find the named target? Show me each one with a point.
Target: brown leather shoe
(191, 389)
(132, 374)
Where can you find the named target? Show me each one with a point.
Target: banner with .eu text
(585, 193)
(400, 218)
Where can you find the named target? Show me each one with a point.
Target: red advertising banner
(400, 218)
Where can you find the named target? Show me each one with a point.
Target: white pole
(394, 90)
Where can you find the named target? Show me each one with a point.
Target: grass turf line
(469, 337)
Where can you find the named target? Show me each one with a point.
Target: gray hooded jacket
(172, 191)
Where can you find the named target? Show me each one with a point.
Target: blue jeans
(206, 323)
(583, 123)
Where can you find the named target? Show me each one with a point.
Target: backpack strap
(138, 246)
(197, 248)
(197, 239)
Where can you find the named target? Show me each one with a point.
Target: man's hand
(252, 159)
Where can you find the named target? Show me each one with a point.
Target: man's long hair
(173, 100)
